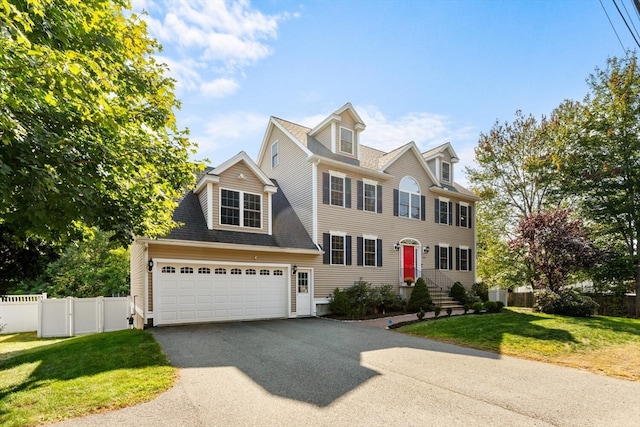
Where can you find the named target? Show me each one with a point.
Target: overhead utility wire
(630, 18)
(614, 28)
(625, 23)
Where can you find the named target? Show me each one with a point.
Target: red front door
(409, 262)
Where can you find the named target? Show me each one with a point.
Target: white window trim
(277, 156)
(344, 250)
(241, 225)
(466, 205)
(375, 250)
(343, 177)
(446, 202)
(466, 249)
(410, 193)
(353, 140)
(366, 182)
(445, 246)
(450, 180)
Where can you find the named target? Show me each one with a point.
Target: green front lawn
(605, 345)
(47, 380)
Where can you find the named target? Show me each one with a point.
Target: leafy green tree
(94, 266)
(600, 156)
(22, 262)
(87, 123)
(515, 177)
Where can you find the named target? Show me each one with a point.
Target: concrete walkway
(319, 372)
(385, 322)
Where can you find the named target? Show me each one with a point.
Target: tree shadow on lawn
(315, 361)
(80, 357)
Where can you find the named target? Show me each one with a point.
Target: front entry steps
(441, 297)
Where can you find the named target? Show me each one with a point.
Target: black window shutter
(450, 213)
(395, 202)
(437, 252)
(379, 199)
(326, 245)
(470, 261)
(437, 215)
(325, 188)
(347, 249)
(469, 216)
(379, 252)
(457, 214)
(347, 192)
(457, 258)
(359, 192)
(423, 205)
(360, 249)
(450, 258)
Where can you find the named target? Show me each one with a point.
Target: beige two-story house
(316, 210)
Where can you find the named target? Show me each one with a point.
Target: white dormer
(237, 196)
(441, 161)
(340, 132)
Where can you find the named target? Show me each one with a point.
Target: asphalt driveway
(326, 373)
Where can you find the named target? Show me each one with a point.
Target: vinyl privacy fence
(65, 317)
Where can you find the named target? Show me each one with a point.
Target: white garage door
(193, 292)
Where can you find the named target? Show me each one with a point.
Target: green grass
(47, 380)
(605, 345)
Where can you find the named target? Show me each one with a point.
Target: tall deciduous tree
(87, 127)
(556, 246)
(601, 157)
(515, 178)
(91, 267)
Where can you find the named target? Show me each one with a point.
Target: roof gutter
(353, 168)
(228, 246)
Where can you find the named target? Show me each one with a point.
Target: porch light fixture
(426, 249)
(294, 270)
(150, 264)
(397, 246)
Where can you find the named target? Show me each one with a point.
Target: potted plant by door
(408, 280)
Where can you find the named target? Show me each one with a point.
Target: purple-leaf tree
(556, 246)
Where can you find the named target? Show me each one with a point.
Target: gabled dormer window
(346, 140)
(240, 209)
(446, 172)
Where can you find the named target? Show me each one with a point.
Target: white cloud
(427, 130)
(219, 88)
(219, 38)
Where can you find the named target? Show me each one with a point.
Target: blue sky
(423, 71)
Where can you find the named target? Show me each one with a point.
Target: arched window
(409, 198)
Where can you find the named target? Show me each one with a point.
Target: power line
(630, 19)
(614, 28)
(625, 23)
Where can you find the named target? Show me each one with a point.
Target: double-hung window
(369, 246)
(245, 214)
(464, 216)
(369, 195)
(446, 172)
(464, 261)
(444, 211)
(337, 249)
(337, 190)
(346, 140)
(443, 257)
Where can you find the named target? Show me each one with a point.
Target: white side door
(303, 293)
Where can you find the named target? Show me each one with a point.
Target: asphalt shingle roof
(288, 231)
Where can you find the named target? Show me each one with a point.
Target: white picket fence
(64, 317)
